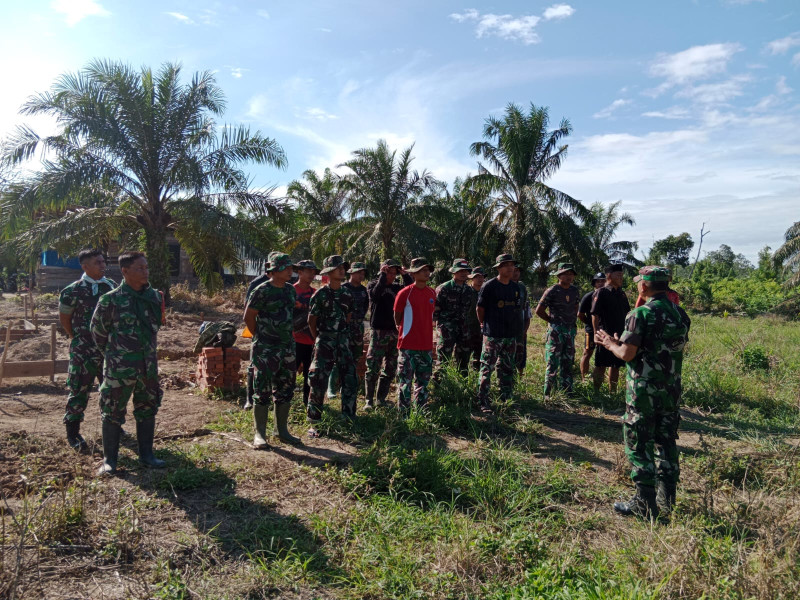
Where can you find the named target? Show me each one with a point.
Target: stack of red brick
(218, 368)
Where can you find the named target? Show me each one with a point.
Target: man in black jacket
(383, 332)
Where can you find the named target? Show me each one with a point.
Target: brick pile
(218, 369)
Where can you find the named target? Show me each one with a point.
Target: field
(445, 504)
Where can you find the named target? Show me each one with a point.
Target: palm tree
(789, 253)
(387, 204)
(139, 155)
(520, 155)
(321, 205)
(600, 228)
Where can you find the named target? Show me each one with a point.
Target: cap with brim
(278, 262)
(357, 266)
(598, 276)
(615, 268)
(503, 258)
(477, 271)
(306, 264)
(653, 273)
(331, 263)
(417, 264)
(390, 262)
(460, 264)
(565, 268)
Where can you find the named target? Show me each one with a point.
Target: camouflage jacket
(660, 329)
(78, 301)
(360, 306)
(274, 321)
(453, 303)
(126, 323)
(332, 309)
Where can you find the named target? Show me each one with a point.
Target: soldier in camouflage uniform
(562, 301)
(453, 301)
(329, 316)
(269, 315)
(521, 352)
(475, 340)
(76, 306)
(251, 369)
(124, 326)
(652, 345)
(357, 272)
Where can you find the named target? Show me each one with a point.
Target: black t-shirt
(503, 306)
(586, 308)
(611, 306)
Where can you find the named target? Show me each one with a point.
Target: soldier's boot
(145, 432)
(111, 435)
(248, 401)
(384, 384)
(282, 424)
(260, 414)
(369, 394)
(642, 505)
(74, 437)
(665, 497)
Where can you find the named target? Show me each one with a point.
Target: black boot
(642, 505)
(248, 402)
(384, 385)
(665, 496)
(74, 437)
(282, 424)
(145, 431)
(111, 435)
(369, 394)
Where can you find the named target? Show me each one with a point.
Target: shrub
(754, 358)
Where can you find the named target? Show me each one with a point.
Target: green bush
(754, 358)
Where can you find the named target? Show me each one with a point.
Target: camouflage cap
(502, 259)
(390, 262)
(653, 273)
(564, 267)
(278, 262)
(460, 264)
(417, 264)
(357, 266)
(477, 271)
(306, 264)
(331, 263)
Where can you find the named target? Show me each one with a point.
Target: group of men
(480, 323)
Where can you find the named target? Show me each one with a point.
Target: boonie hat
(503, 258)
(564, 267)
(331, 263)
(476, 271)
(306, 264)
(357, 266)
(278, 262)
(417, 264)
(653, 273)
(459, 264)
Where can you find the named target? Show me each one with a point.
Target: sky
(688, 112)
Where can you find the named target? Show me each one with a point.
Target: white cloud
(237, 72)
(783, 45)
(698, 62)
(319, 114)
(715, 93)
(558, 11)
(263, 14)
(796, 60)
(324, 30)
(609, 110)
(782, 87)
(503, 26)
(180, 17)
(672, 113)
(75, 11)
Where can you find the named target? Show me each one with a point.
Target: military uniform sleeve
(635, 327)
(545, 299)
(317, 303)
(255, 299)
(67, 301)
(102, 322)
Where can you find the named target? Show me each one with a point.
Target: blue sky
(687, 111)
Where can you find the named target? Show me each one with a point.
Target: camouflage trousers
(125, 376)
(521, 352)
(497, 352)
(335, 382)
(559, 355)
(382, 351)
(85, 365)
(474, 347)
(449, 345)
(650, 429)
(274, 376)
(414, 372)
(332, 350)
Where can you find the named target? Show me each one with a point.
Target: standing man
(257, 281)
(304, 344)
(671, 294)
(329, 316)
(124, 326)
(559, 354)
(521, 352)
(413, 314)
(269, 316)
(652, 344)
(500, 314)
(76, 305)
(357, 272)
(475, 339)
(609, 308)
(453, 300)
(383, 332)
(584, 310)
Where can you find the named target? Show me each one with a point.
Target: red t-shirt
(417, 304)
(301, 333)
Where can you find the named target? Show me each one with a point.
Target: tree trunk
(155, 237)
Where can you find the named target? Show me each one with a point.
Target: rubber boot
(384, 384)
(111, 435)
(282, 424)
(369, 394)
(260, 413)
(74, 437)
(248, 401)
(333, 383)
(145, 431)
(665, 497)
(642, 505)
